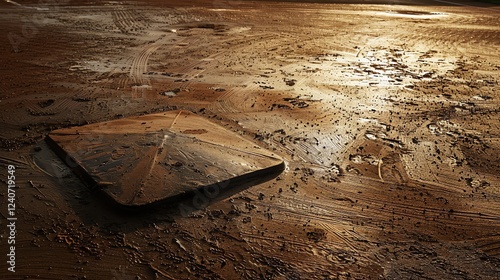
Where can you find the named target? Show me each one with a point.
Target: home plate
(146, 159)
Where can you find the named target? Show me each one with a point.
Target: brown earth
(387, 115)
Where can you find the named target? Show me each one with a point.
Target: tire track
(129, 22)
(490, 246)
(345, 240)
(234, 100)
(140, 64)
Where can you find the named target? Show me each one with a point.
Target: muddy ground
(387, 116)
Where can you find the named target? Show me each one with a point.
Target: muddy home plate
(141, 160)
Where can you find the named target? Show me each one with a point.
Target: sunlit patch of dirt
(385, 115)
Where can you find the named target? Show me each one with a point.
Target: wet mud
(385, 114)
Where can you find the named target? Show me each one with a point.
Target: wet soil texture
(386, 115)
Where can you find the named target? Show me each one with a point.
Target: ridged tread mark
(140, 64)
(129, 21)
(490, 246)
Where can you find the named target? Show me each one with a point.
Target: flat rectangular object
(146, 159)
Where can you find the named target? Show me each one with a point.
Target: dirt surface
(387, 116)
